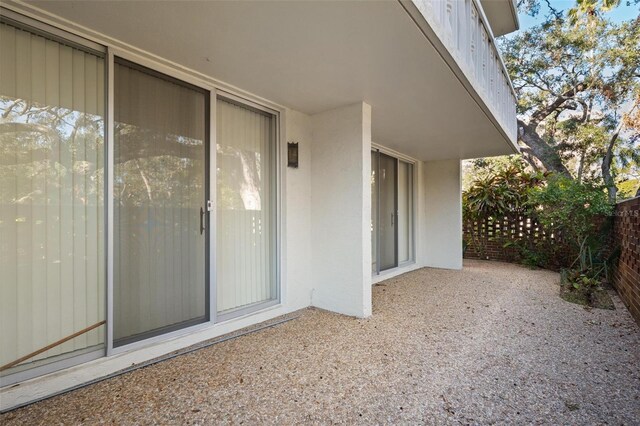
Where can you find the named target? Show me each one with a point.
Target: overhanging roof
(312, 57)
(502, 16)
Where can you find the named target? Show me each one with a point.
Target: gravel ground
(492, 344)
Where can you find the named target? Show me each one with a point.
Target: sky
(619, 14)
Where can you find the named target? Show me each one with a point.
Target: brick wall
(503, 239)
(626, 273)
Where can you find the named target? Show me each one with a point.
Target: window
(52, 259)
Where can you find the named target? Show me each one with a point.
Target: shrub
(571, 208)
(574, 210)
(500, 192)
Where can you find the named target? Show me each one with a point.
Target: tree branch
(540, 149)
(543, 113)
(606, 165)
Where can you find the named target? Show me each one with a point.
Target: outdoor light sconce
(292, 154)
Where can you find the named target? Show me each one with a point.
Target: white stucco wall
(341, 210)
(296, 219)
(441, 230)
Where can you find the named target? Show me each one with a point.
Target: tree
(577, 82)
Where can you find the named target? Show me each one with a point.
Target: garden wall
(626, 236)
(504, 239)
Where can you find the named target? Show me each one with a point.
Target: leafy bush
(500, 191)
(574, 210)
(628, 189)
(571, 208)
(533, 258)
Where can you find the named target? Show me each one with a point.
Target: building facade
(171, 172)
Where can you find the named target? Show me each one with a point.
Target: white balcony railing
(464, 31)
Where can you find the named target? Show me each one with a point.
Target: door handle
(202, 213)
(392, 219)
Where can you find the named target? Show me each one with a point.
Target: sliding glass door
(388, 212)
(405, 211)
(246, 208)
(160, 225)
(391, 211)
(108, 241)
(52, 122)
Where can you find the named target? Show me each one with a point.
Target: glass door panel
(160, 190)
(374, 211)
(52, 283)
(405, 211)
(387, 221)
(246, 203)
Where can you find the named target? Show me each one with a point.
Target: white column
(441, 231)
(341, 210)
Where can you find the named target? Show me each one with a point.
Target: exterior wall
(626, 235)
(296, 218)
(442, 224)
(341, 210)
(296, 285)
(325, 257)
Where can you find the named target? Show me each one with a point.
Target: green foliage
(628, 188)
(581, 281)
(570, 207)
(590, 9)
(501, 190)
(533, 258)
(578, 83)
(569, 212)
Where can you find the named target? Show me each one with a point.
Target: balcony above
(463, 29)
(430, 97)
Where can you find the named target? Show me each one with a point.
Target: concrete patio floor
(490, 344)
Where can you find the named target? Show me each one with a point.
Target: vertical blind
(388, 209)
(245, 229)
(405, 212)
(51, 196)
(159, 189)
(374, 211)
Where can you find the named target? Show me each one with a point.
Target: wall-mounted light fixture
(292, 154)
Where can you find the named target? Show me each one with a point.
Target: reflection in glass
(405, 211)
(392, 240)
(159, 189)
(51, 198)
(388, 220)
(245, 230)
(374, 211)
